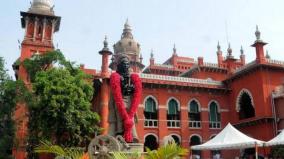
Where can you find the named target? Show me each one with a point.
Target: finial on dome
(218, 47)
(174, 50)
(229, 50)
(242, 50)
(257, 33)
(127, 31)
(152, 54)
(106, 44)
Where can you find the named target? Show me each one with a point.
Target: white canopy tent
(278, 140)
(229, 138)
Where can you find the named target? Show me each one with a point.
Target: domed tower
(128, 46)
(40, 23)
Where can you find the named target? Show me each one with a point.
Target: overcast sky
(195, 26)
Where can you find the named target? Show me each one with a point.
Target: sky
(194, 26)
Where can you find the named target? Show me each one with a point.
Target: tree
(62, 109)
(11, 92)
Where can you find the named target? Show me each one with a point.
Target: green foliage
(277, 151)
(11, 92)
(170, 151)
(60, 152)
(43, 62)
(63, 107)
(121, 155)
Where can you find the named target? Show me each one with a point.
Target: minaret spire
(174, 50)
(106, 44)
(242, 50)
(257, 34)
(218, 47)
(152, 54)
(229, 50)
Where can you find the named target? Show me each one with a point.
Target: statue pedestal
(135, 147)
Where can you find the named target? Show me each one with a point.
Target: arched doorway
(195, 140)
(177, 139)
(246, 109)
(151, 142)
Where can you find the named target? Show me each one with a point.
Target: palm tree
(60, 152)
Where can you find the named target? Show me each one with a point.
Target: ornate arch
(197, 101)
(154, 98)
(217, 103)
(177, 135)
(199, 136)
(178, 102)
(156, 136)
(244, 90)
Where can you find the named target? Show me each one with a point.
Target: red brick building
(189, 99)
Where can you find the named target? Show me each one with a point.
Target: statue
(126, 90)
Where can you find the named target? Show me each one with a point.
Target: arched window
(195, 140)
(246, 109)
(214, 116)
(194, 114)
(173, 115)
(151, 142)
(150, 113)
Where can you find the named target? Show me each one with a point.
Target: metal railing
(150, 123)
(173, 123)
(275, 62)
(194, 124)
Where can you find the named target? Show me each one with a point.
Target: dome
(127, 44)
(42, 7)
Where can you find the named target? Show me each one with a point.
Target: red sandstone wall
(184, 96)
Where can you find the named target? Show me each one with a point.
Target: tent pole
(256, 153)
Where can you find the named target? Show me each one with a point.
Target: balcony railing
(214, 125)
(180, 79)
(194, 124)
(151, 123)
(173, 123)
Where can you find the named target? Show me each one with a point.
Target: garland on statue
(127, 116)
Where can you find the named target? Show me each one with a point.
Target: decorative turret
(175, 50)
(242, 56)
(152, 59)
(219, 55)
(229, 52)
(258, 44)
(105, 55)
